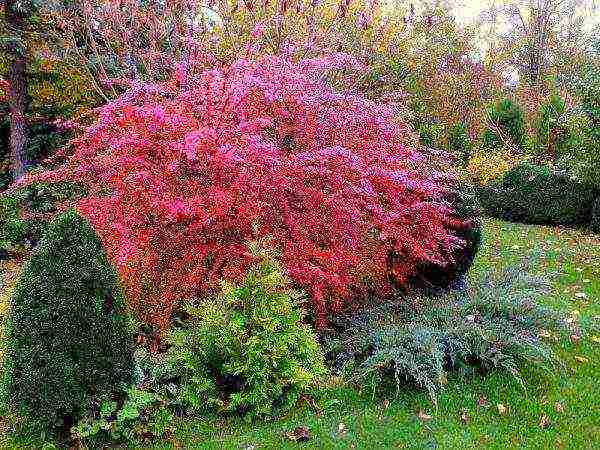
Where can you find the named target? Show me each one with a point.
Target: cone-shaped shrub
(68, 338)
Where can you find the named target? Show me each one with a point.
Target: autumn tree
(542, 37)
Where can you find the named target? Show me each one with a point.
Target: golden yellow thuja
(487, 166)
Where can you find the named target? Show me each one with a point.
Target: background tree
(541, 38)
(15, 15)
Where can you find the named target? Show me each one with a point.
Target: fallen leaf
(582, 359)
(502, 410)
(342, 428)
(580, 295)
(483, 402)
(300, 434)
(544, 422)
(421, 415)
(544, 333)
(559, 407)
(575, 338)
(385, 404)
(465, 417)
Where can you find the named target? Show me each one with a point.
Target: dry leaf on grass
(300, 434)
(482, 402)
(559, 407)
(502, 410)
(464, 417)
(544, 422)
(423, 416)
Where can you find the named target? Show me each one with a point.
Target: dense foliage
(580, 153)
(12, 228)
(246, 350)
(550, 134)
(536, 194)
(181, 179)
(67, 336)
(506, 125)
(327, 131)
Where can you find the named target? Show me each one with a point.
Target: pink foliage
(182, 179)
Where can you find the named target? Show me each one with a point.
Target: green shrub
(13, 229)
(142, 411)
(551, 134)
(580, 152)
(459, 143)
(508, 117)
(430, 134)
(142, 414)
(26, 212)
(68, 339)
(498, 324)
(537, 195)
(246, 350)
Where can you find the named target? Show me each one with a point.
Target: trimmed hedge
(535, 194)
(68, 338)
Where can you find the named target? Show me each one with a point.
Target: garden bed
(554, 410)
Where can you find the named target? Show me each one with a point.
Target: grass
(344, 418)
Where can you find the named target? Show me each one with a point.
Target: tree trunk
(17, 93)
(18, 124)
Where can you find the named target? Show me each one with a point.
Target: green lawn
(344, 418)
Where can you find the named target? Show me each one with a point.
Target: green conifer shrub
(68, 338)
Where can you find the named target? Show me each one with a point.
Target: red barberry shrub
(182, 176)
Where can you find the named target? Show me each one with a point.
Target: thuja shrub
(246, 350)
(67, 338)
(182, 175)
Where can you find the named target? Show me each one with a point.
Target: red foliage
(182, 179)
